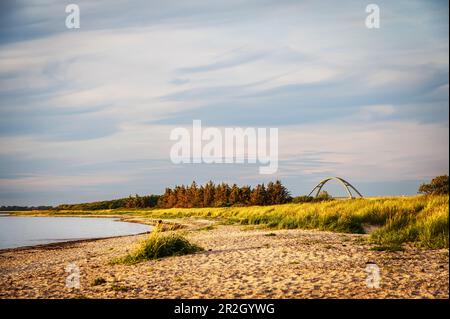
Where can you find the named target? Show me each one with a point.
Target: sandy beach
(238, 262)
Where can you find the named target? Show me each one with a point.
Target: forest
(189, 196)
(223, 195)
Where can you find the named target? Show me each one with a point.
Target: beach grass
(393, 221)
(422, 220)
(159, 245)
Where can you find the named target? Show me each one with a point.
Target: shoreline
(129, 219)
(238, 262)
(61, 244)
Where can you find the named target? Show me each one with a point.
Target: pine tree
(172, 199)
(200, 194)
(271, 193)
(221, 195)
(278, 194)
(208, 195)
(245, 195)
(258, 195)
(192, 195)
(235, 195)
(181, 196)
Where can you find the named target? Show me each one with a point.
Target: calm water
(17, 231)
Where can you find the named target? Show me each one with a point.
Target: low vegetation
(116, 286)
(159, 245)
(391, 221)
(422, 220)
(270, 235)
(98, 281)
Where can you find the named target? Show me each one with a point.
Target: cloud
(101, 100)
(179, 81)
(223, 64)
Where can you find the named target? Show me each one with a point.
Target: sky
(86, 114)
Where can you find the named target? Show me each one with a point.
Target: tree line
(219, 195)
(128, 202)
(22, 208)
(188, 196)
(222, 195)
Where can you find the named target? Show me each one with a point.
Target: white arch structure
(346, 185)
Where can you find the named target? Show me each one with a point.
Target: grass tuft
(388, 247)
(159, 245)
(206, 228)
(118, 287)
(98, 281)
(270, 234)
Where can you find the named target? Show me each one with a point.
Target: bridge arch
(346, 185)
